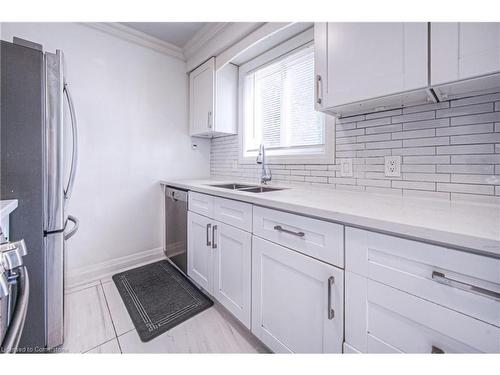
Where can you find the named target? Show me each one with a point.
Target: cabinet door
(464, 50)
(200, 261)
(202, 98)
(321, 65)
(369, 60)
(297, 301)
(232, 270)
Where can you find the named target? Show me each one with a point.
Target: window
(278, 106)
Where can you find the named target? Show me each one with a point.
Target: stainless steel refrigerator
(39, 149)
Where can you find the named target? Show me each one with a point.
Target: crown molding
(219, 38)
(202, 36)
(131, 35)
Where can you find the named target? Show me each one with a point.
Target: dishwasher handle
(176, 194)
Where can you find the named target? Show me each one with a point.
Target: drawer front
(382, 319)
(414, 325)
(238, 214)
(201, 204)
(435, 273)
(319, 239)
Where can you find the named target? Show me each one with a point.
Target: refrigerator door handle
(76, 225)
(74, 157)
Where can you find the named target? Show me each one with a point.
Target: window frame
(327, 155)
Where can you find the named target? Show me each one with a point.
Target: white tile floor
(96, 321)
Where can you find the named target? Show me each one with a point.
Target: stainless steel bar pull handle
(209, 119)
(214, 236)
(443, 279)
(436, 350)
(74, 156)
(279, 228)
(319, 95)
(331, 312)
(209, 226)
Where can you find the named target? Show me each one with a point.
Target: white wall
(132, 106)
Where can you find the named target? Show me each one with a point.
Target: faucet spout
(265, 173)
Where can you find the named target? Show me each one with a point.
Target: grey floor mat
(158, 297)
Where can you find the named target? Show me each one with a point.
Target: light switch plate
(346, 168)
(393, 166)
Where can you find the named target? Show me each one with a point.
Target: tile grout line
(83, 287)
(111, 316)
(95, 347)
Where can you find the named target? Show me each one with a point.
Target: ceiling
(177, 33)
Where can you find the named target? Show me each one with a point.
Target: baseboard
(106, 269)
(176, 248)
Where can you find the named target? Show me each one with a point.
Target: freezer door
(54, 303)
(53, 148)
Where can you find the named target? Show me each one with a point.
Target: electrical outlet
(393, 166)
(346, 168)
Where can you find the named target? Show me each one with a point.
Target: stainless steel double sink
(246, 188)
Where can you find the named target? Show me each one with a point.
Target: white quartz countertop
(467, 226)
(7, 206)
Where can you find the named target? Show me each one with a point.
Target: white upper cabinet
(213, 100)
(380, 65)
(464, 51)
(320, 65)
(202, 98)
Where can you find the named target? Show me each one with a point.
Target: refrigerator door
(55, 218)
(54, 190)
(22, 167)
(54, 317)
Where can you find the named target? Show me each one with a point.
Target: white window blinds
(279, 104)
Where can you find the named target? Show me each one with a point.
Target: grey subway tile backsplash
(449, 150)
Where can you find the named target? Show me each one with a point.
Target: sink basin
(244, 187)
(259, 189)
(233, 186)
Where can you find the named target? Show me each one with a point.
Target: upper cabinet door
(464, 50)
(320, 65)
(371, 60)
(202, 98)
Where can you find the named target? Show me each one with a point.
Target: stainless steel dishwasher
(176, 206)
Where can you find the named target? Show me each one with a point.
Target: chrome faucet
(265, 174)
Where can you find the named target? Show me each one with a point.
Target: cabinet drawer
(464, 282)
(202, 204)
(414, 325)
(316, 238)
(235, 213)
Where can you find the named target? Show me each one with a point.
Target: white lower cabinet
(297, 301)
(412, 297)
(232, 270)
(284, 282)
(200, 259)
(219, 260)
